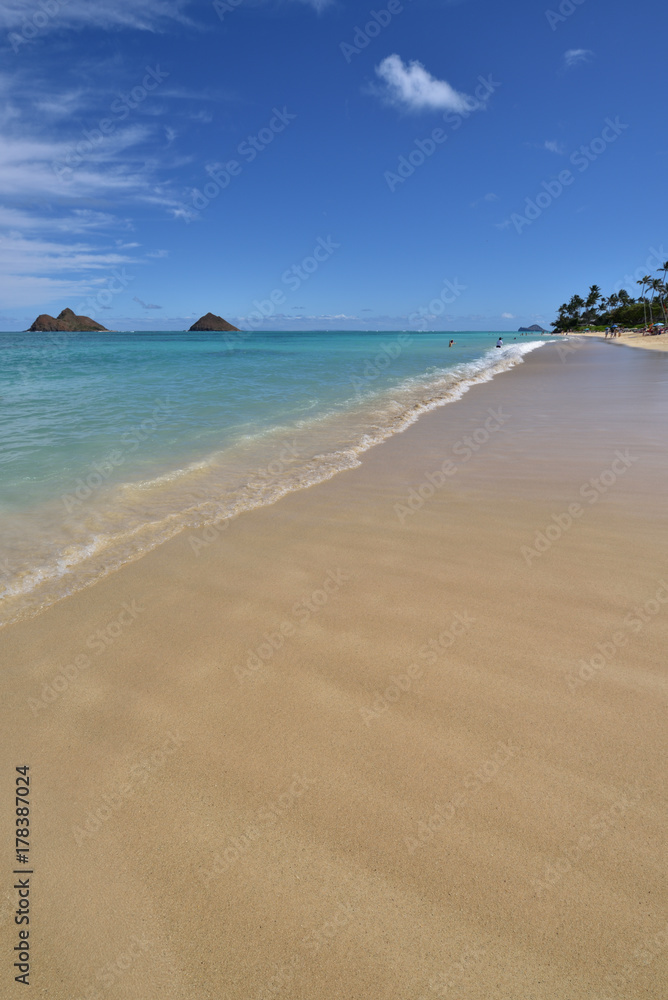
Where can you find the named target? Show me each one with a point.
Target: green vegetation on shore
(620, 308)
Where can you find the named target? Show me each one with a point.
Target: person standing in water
(451, 343)
(499, 342)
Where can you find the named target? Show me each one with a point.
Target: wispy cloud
(75, 222)
(61, 167)
(145, 305)
(330, 316)
(212, 94)
(411, 87)
(488, 198)
(158, 254)
(318, 5)
(19, 254)
(29, 166)
(576, 56)
(53, 244)
(552, 146)
(507, 316)
(142, 15)
(33, 290)
(62, 105)
(37, 270)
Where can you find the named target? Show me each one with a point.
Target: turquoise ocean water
(113, 443)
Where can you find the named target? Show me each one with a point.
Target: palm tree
(574, 307)
(649, 280)
(658, 288)
(644, 281)
(664, 268)
(563, 320)
(562, 312)
(593, 297)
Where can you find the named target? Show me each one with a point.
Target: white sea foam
(128, 520)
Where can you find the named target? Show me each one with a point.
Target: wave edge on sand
(80, 563)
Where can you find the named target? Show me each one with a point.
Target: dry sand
(634, 339)
(364, 816)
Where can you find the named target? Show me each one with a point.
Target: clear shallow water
(113, 443)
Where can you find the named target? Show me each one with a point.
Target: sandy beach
(633, 338)
(399, 735)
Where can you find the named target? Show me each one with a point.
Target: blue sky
(363, 170)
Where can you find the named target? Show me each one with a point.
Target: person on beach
(499, 342)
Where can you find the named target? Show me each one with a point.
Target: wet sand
(399, 735)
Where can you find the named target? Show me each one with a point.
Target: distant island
(211, 322)
(532, 329)
(67, 322)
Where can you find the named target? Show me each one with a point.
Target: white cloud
(280, 317)
(158, 254)
(138, 15)
(412, 88)
(30, 167)
(21, 255)
(142, 15)
(507, 316)
(46, 253)
(552, 146)
(41, 271)
(79, 220)
(576, 56)
(62, 105)
(27, 290)
(182, 212)
(64, 172)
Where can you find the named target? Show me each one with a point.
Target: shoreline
(634, 339)
(202, 496)
(367, 739)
